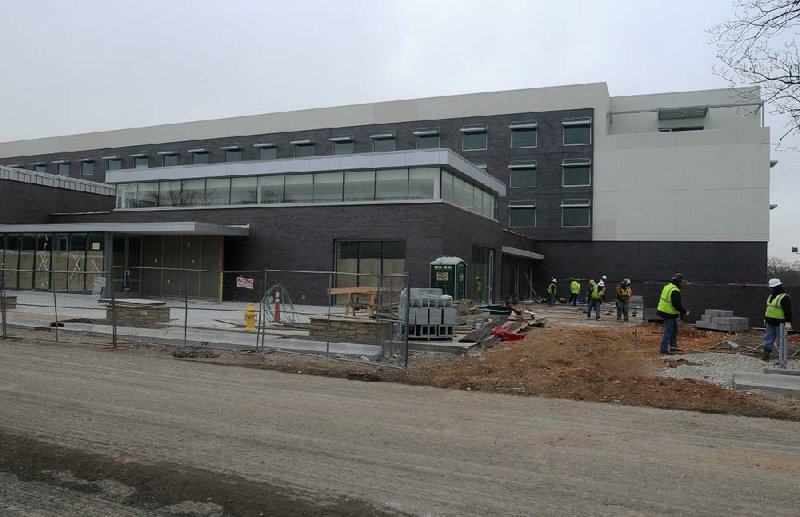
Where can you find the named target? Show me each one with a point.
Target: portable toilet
(450, 275)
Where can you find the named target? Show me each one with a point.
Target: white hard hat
(774, 282)
(554, 280)
(601, 283)
(605, 277)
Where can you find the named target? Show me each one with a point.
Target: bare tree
(758, 47)
(787, 271)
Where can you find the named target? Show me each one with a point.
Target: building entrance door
(126, 262)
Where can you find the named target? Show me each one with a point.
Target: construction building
(523, 185)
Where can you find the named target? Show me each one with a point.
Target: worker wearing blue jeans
(670, 309)
(596, 293)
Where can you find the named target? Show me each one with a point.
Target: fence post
(260, 311)
(55, 310)
(331, 283)
(110, 282)
(783, 346)
(185, 306)
(405, 317)
(3, 297)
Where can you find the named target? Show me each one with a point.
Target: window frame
(524, 126)
(83, 170)
(575, 164)
(527, 204)
(427, 133)
(577, 122)
(266, 145)
(384, 137)
(530, 165)
(475, 129)
(577, 203)
(338, 140)
(305, 143)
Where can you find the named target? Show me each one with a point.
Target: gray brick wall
(26, 203)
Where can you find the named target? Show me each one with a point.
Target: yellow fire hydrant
(250, 317)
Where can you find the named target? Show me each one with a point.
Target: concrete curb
(788, 385)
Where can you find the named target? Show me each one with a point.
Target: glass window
(359, 185)
(299, 188)
(474, 140)
(391, 184)
(233, 155)
(383, 145)
(169, 193)
(141, 162)
(244, 191)
(343, 147)
(577, 133)
(87, 168)
(458, 191)
(63, 169)
(487, 205)
(423, 183)
(169, 160)
(193, 192)
(328, 187)
(428, 141)
(522, 216)
(126, 195)
(199, 158)
(218, 191)
(575, 216)
(524, 137)
(577, 176)
(40, 168)
(303, 150)
(370, 258)
(114, 164)
(147, 195)
(267, 153)
(447, 187)
(469, 194)
(270, 189)
(522, 176)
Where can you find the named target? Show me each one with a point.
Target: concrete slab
(780, 371)
(787, 385)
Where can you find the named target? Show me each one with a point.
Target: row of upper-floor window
(322, 187)
(574, 173)
(524, 135)
(575, 213)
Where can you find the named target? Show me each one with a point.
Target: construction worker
(596, 293)
(779, 310)
(623, 297)
(670, 309)
(574, 291)
(551, 292)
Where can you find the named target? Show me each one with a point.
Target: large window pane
(300, 188)
(458, 191)
(193, 192)
(359, 185)
(302, 150)
(169, 160)
(126, 195)
(577, 176)
(521, 217)
(244, 191)
(474, 141)
(141, 162)
(77, 262)
(522, 177)
(369, 262)
(477, 200)
(60, 262)
(147, 195)
(328, 187)
(199, 158)
(270, 189)
(391, 184)
(42, 261)
(218, 191)
(87, 168)
(113, 164)
(423, 183)
(233, 155)
(575, 216)
(447, 186)
(63, 169)
(169, 193)
(469, 192)
(11, 260)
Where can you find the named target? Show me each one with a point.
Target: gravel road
(416, 450)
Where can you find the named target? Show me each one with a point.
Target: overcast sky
(77, 66)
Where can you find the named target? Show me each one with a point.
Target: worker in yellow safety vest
(551, 292)
(596, 293)
(670, 309)
(779, 310)
(574, 291)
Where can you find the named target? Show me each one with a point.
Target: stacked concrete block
(431, 314)
(725, 321)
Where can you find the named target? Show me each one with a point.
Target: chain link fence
(340, 315)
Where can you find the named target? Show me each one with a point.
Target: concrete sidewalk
(787, 384)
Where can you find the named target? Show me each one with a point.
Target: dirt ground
(602, 364)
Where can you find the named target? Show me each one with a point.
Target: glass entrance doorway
(482, 274)
(126, 262)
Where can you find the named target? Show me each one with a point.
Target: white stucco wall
(693, 186)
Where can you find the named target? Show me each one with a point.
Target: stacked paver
(715, 319)
(430, 315)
